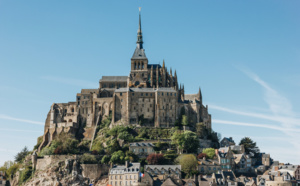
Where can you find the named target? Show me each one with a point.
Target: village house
(127, 174)
(141, 149)
(207, 166)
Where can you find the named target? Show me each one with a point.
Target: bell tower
(139, 61)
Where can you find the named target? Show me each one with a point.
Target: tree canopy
(188, 163)
(210, 152)
(156, 159)
(249, 145)
(186, 141)
(21, 155)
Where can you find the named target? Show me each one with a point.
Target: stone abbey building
(148, 96)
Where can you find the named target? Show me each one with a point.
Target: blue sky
(245, 56)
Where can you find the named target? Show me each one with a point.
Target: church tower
(139, 61)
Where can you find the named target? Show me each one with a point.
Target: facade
(225, 158)
(243, 163)
(206, 166)
(127, 174)
(266, 160)
(141, 149)
(149, 96)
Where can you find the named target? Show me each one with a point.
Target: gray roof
(236, 147)
(289, 167)
(166, 167)
(141, 145)
(139, 54)
(121, 169)
(114, 78)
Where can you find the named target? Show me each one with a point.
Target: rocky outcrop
(66, 172)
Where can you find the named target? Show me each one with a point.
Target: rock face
(65, 171)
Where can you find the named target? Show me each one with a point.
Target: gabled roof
(168, 182)
(166, 167)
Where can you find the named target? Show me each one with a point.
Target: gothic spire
(139, 41)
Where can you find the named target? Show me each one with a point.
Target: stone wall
(94, 171)
(46, 161)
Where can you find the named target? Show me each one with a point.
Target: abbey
(149, 96)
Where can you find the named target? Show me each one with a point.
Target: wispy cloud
(20, 120)
(71, 81)
(226, 122)
(280, 107)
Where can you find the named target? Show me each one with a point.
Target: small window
(121, 94)
(175, 94)
(146, 94)
(150, 94)
(121, 106)
(167, 93)
(162, 93)
(142, 94)
(170, 94)
(132, 94)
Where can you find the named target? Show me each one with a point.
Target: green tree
(210, 152)
(186, 141)
(117, 157)
(249, 145)
(185, 120)
(21, 155)
(188, 163)
(105, 159)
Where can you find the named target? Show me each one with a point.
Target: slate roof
(121, 169)
(229, 174)
(168, 182)
(139, 54)
(141, 144)
(166, 167)
(208, 162)
(288, 167)
(114, 78)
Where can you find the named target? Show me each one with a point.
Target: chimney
(275, 168)
(126, 163)
(204, 158)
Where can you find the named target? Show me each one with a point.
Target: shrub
(26, 174)
(156, 159)
(12, 170)
(88, 159)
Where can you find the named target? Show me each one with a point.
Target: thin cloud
(255, 125)
(71, 81)
(20, 120)
(256, 115)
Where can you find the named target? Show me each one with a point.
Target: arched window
(142, 65)
(139, 66)
(70, 120)
(134, 66)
